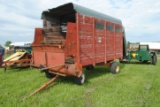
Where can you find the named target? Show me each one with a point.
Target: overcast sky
(141, 18)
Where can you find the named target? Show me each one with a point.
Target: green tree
(7, 43)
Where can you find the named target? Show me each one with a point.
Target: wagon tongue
(41, 88)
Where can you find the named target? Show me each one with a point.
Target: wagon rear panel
(39, 58)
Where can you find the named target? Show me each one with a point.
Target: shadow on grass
(138, 62)
(98, 71)
(95, 73)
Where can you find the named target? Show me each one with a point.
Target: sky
(140, 18)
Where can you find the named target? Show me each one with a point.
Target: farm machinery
(74, 37)
(143, 54)
(21, 58)
(25, 48)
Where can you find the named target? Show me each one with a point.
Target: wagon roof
(71, 7)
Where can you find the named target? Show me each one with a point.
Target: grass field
(137, 85)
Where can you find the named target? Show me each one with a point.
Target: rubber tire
(154, 59)
(91, 67)
(49, 75)
(80, 80)
(114, 67)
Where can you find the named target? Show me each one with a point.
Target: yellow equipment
(18, 59)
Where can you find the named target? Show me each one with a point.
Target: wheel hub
(117, 68)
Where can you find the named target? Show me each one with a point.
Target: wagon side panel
(110, 41)
(99, 40)
(86, 39)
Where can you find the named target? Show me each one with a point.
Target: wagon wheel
(80, 80)
(48, 75)
(115, 68)
(154, 59)
(91, 67)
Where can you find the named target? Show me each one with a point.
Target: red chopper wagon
(74, 37)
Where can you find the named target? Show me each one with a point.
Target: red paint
(83, 42)
(93, 51)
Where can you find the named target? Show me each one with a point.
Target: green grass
(137, 85)
(158, 56)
